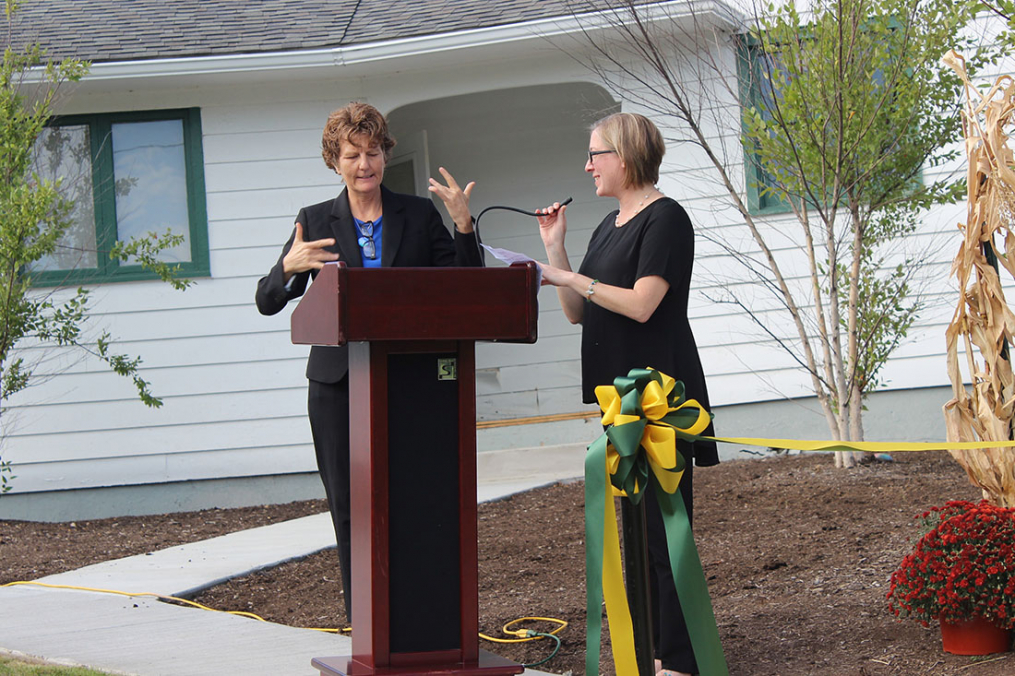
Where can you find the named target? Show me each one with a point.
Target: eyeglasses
(593, 153)
(366, 240)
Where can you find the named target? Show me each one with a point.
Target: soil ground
(797, 556)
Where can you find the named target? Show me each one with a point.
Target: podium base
(488, 665)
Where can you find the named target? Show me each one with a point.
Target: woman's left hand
(554, 276)
(455, 199)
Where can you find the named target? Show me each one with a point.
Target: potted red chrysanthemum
(962, 573)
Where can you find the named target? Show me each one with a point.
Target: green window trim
(758, 202)
(108, 270)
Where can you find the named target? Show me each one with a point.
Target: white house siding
(231, 381)
(514, 119)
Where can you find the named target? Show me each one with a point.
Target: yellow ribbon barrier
(866, 446)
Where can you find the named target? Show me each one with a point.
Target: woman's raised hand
(455, 199)
(303, 256)
(552, 225)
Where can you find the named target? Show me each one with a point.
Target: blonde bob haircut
(355, 119)
(638, 143)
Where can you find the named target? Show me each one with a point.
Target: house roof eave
(362, 56)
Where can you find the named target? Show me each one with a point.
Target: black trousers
(328, 406)
(669, 630)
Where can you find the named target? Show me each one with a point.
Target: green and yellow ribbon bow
(645, 412)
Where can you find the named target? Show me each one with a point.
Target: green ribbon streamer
(692, 589)
(634, 476)
(595, 507)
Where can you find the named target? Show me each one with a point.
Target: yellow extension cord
(521, 634)
(524, 634)
(188, 602)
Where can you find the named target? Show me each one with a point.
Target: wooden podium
(412, 391)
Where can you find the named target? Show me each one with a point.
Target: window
(127, 174)
(755, 88)
(864, 85)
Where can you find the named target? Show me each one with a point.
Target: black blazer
(413, 236)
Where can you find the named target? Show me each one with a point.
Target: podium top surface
(358, 304)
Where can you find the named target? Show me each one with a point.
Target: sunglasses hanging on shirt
(366, 239)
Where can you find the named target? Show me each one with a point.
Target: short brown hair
(355, 119)
(638, 143)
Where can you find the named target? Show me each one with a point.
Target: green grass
(10, 666)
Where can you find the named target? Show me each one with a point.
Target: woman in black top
(630, 295)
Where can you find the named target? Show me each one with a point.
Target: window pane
(151, 182)
(765, 67)
(65, 153)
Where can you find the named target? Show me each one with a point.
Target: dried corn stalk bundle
(983, 318)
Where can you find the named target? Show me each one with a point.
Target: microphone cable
(475, 223)
(517, 210)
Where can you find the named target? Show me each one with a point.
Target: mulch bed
(797, 555)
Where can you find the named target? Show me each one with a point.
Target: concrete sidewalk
(141, 636)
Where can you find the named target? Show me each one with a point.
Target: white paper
(512, 257)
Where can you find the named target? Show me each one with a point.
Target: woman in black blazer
(367, 225)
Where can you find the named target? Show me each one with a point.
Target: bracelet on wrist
(591, 291)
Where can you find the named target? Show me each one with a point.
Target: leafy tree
(34, 214)
(1005, 10)
(840, 108)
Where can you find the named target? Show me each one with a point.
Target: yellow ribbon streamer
(615, 595)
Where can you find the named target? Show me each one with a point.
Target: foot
(670, 672)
